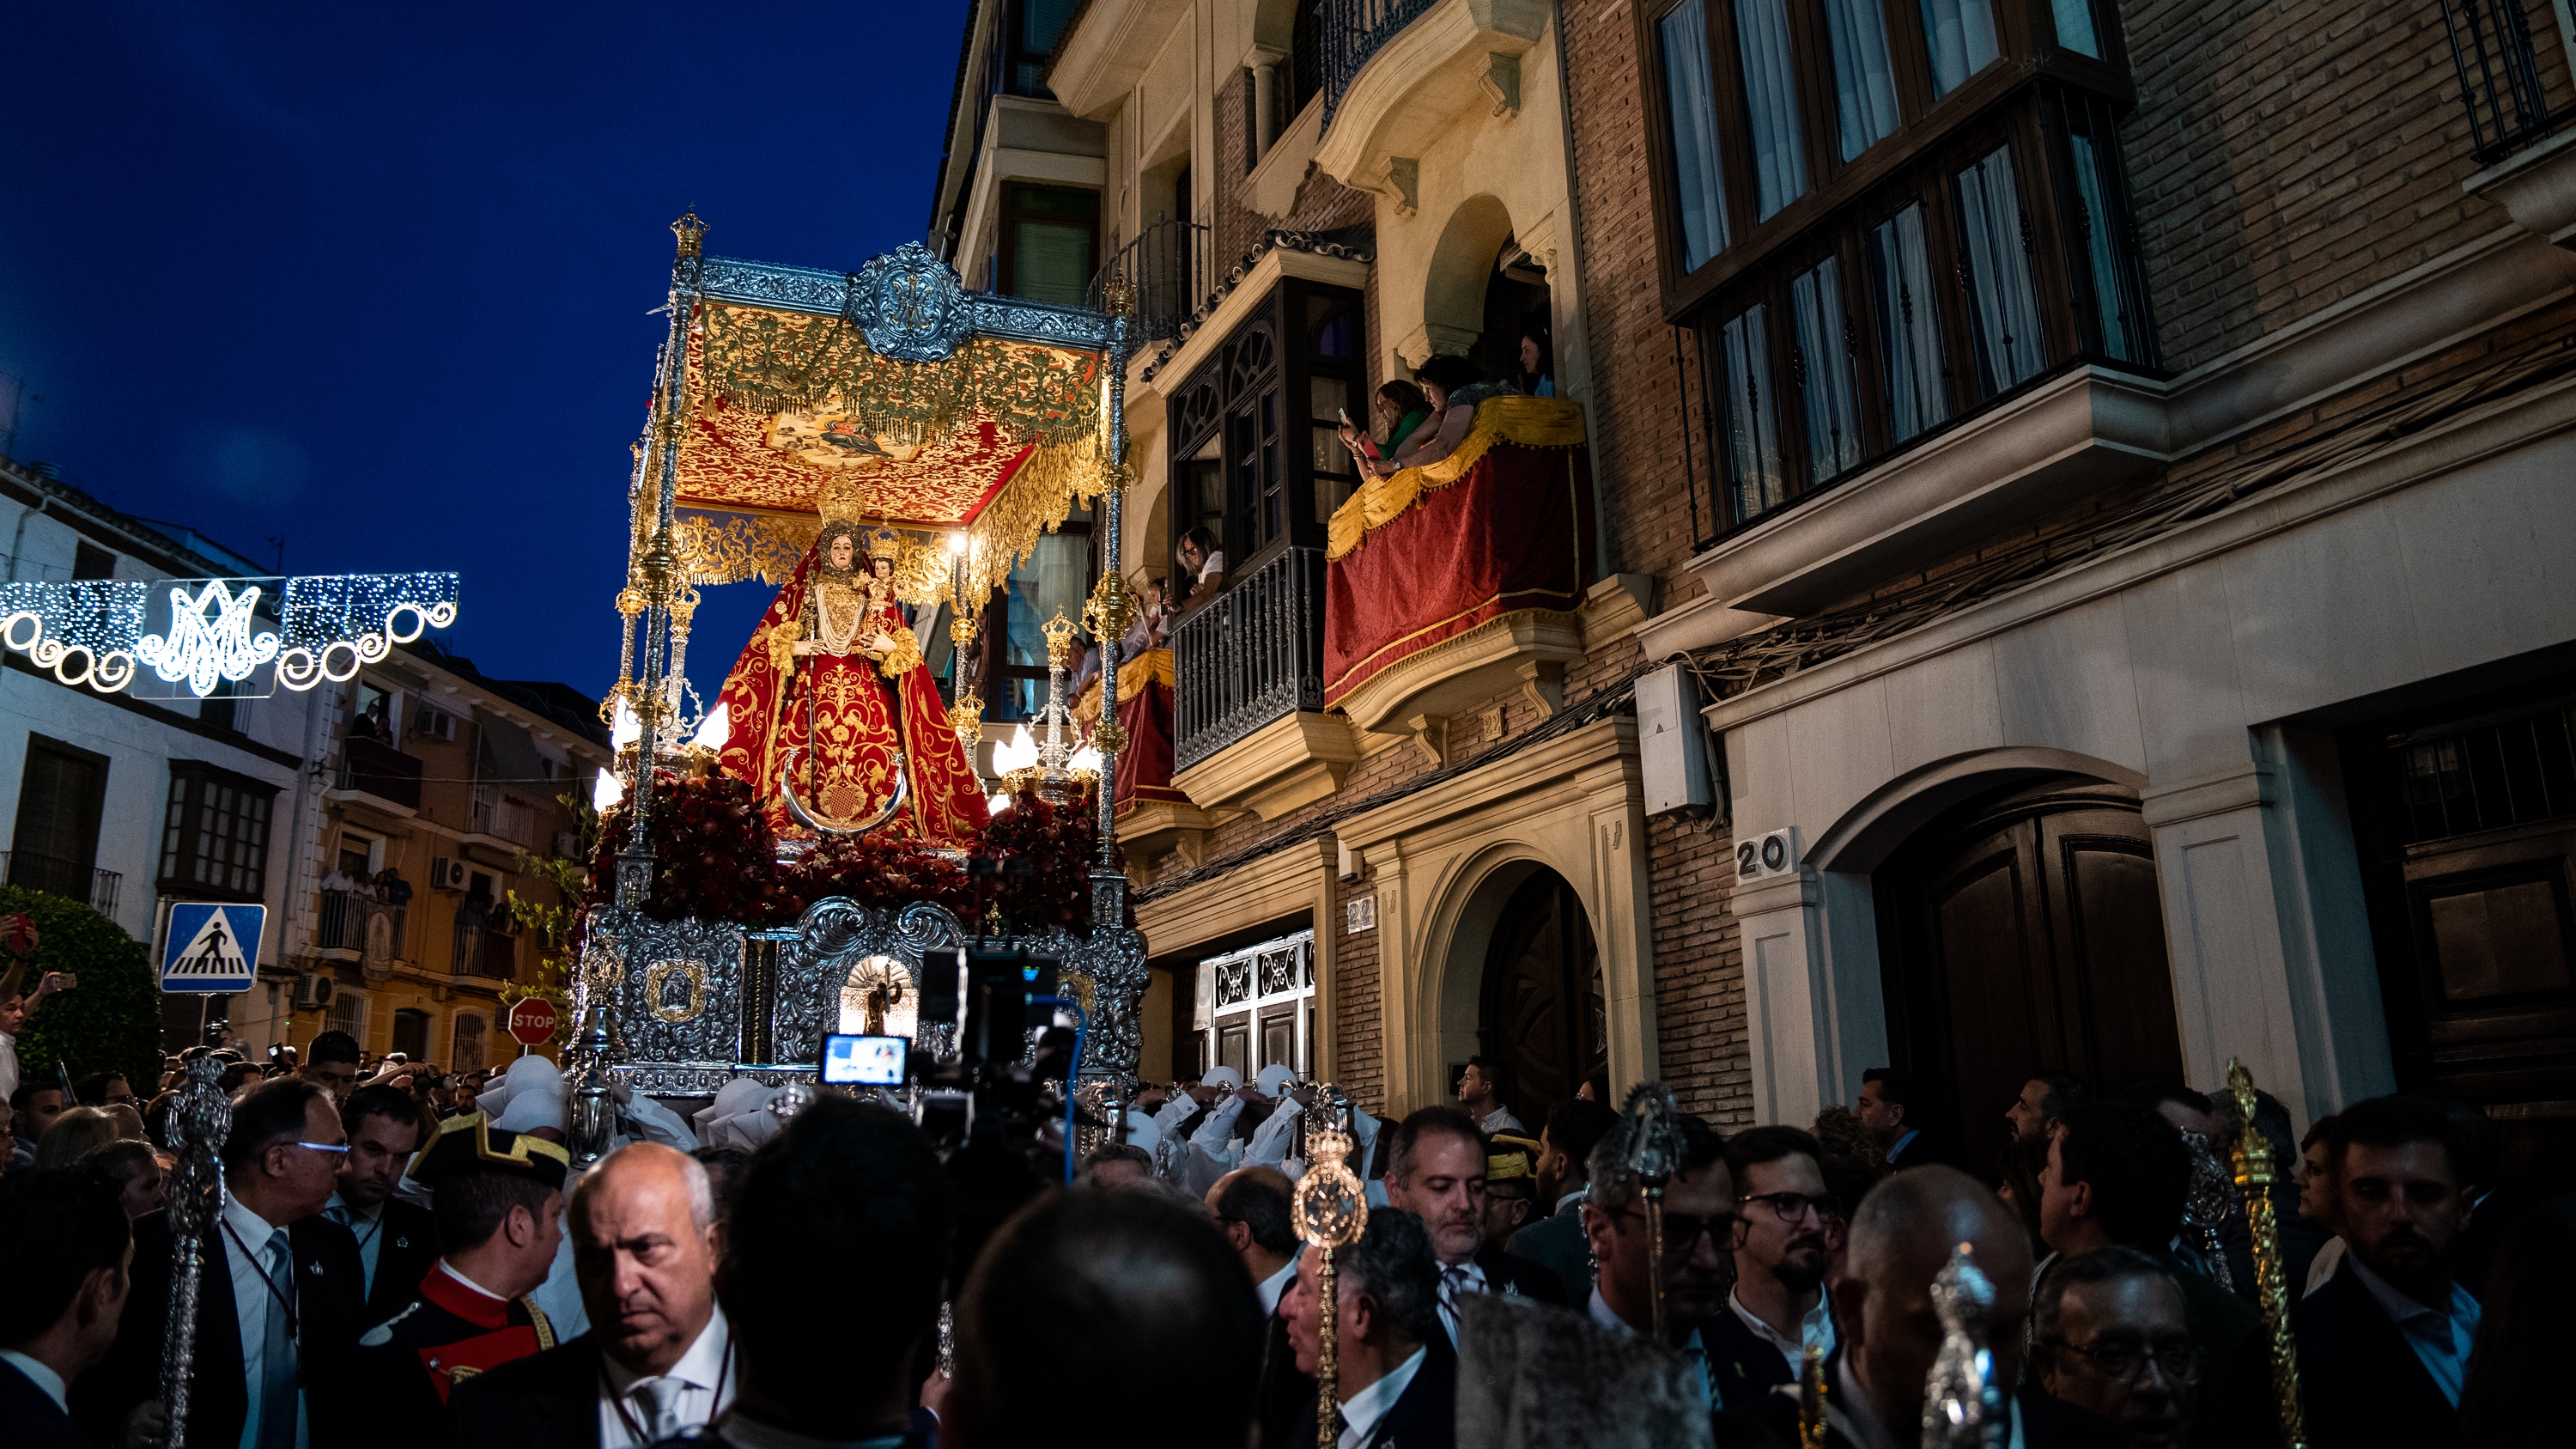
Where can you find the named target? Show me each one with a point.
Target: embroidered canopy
(891, 392)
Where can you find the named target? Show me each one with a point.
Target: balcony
(349, 922)
(2528, 151)
(1248, 727)
(501, 823)
(374, 773)
(1467, 580)
(33, 870)
(1399, 72)
(485, 943)
(1166, 274)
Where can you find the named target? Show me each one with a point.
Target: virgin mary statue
(831, 700)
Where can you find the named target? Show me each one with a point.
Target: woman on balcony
(1400, 412)
(1451, 390)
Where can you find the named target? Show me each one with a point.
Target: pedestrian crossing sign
(211, 947)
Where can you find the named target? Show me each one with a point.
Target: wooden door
(1543, 1008)
(2023, 933)
(2465, 822)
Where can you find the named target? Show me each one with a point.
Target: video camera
(998, 1082)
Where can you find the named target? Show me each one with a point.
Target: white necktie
(659, 1402)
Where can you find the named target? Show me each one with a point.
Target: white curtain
(1771, 102)
(1833, 414)
(1962, 36)
(1909, 336)
(2007, 315)
(2119, 329)
(2075, 26)
(1700, 185)
(1864, 79)
(1752, 433)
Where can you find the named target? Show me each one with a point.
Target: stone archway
(1453, 285)
(1815, 1001)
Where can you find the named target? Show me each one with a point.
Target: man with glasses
(1699, 1232)
(2108, 1335)
(1778, 1308)
(2116, 1176)
(277, 1303)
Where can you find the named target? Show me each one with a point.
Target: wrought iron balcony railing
(1251, 655)
(1166, 273)
(374, 768)
(497, 815)
(343, 926)
(35, 870)
(1353, 31)
(2499, 77)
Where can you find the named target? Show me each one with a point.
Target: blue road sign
(211, 947)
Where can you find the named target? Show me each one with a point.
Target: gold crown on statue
(886, 544)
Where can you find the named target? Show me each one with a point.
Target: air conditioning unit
(436, 724)
(314, 990)
(447, 873)
(1760, 857)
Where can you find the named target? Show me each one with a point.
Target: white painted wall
(2178, 669)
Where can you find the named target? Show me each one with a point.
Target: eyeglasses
(1682, 1231)
(1793, 1207)
(2179, 1358)
(324, 1146)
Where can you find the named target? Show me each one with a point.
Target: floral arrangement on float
(716, 858)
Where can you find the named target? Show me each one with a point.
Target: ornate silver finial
(789, 1100)
(2211, 1202)
(199, 1121)
(1650, 1128)
(1963, 1406)
(593, 1124)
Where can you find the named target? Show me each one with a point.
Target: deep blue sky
(375, 278)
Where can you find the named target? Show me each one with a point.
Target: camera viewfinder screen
(864, 1061)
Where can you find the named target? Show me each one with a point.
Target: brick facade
(2286, 156)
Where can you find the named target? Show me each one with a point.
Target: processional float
(951, 429)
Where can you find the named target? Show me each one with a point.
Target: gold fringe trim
(1531, 422)
(1154, 666)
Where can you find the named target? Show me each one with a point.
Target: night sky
(375, 279)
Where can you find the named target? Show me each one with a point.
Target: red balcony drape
(1512, 530)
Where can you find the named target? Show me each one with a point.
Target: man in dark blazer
(1436, 1170)
(1901, 1239)
(280, 1163)
(2384, 1345)
(1556, 1241)
(658, 1358)
(1397, 1377)
(397, 1240)
(1252, 1207)
(64, 1248)
(1882, 1108)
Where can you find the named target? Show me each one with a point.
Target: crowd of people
(399, 1255)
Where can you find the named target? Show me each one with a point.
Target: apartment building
(438, 782)
(127, 801)
(2094, 469)
(381, 819)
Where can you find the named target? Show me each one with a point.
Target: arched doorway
(2022, 932)
(1543, 1006)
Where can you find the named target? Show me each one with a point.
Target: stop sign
(533, 1021)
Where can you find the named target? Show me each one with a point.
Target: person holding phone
(14, 1011)
(1399, 410)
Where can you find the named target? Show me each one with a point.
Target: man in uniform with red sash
(498, 1199)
